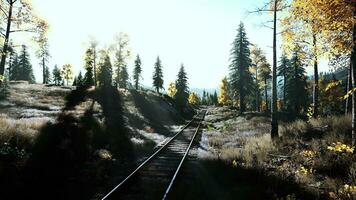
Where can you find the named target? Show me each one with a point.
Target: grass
(21, 132)
(314, 154)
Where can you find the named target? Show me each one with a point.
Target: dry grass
(256, 149)
(21, 131)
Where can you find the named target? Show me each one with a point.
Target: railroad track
(154, 178)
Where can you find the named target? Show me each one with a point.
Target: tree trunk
(44, 71)
(284, 88)
(274, 122)
(6, 41)
(316, 80)
(266, 97)
(94, 61)
(257, 93)
(353, 64)
(348, 101)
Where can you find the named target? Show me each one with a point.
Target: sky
(195, 33)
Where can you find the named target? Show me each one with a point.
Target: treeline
(310, 33)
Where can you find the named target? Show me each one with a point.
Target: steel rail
(183, 159)
(148, 160)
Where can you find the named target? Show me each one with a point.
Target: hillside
(36, 125)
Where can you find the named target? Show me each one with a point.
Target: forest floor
(311, 160)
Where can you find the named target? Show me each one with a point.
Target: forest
(280, 124)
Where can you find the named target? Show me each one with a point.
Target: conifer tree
(48, 75)
(240, 77)
(182, 94)
(105, 69)
(122, 53)
(13, 69)
(282, 69)
(158, 75)
(25, 67)
(43, 54)
(80, 79)
(57, 78)
(265, 74)
(89, 67)
(137, 72)
(296, 87)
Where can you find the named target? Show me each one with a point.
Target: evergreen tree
(137, 71)
(264, 75)
(122, 54)
(203, 99)
(43, 54)
(105, 69)
(57, 78)
(123, 77)
(48, 75)
(158, 75)
(282, 71)
(75, 81)
(240, 77)
(89, 67)
(25, 67)
(80, 80)
(13, 69)
(296, 86)
(182, 94)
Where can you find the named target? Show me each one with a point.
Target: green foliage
(20, 67)
(137, 72)
(89, 67)
(331, 93)
(105, 69)
(158, 75)
(57, 78)
(296, 85)
(182, 94)
(282, 70)
(240, 78)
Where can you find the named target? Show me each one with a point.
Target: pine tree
(123, 77)
(137, 72)
(265, 74)
(89, 67)
(158, 75)
(240, 77)
(13, 69)
(296, 86)
(75, 81)
(282, 69)
(43, 54)
(203, 99)
(48, 75)
(182, 94)
(122, 54)
(57, 78)
(25, 67)
(105, 69)
(80, 80)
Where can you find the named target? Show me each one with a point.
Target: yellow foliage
(308, 153)
(340, 147)
(193, 98)
(234, 163)
(224, 98)
(67, 72)
(280, 104)
(172, 90)
(305, 171)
